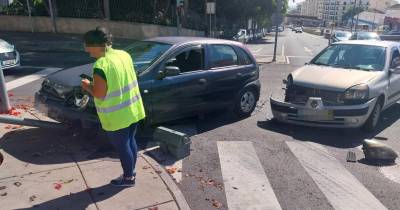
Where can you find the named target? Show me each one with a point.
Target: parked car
(365, 36)
(338, 36)
(242, 36)
(299, 30)
(357, 80)
(9, 56)
(178, 77)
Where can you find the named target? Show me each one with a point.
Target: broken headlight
(357, 92)
(81, 100)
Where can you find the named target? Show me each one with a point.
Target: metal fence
(160, 12)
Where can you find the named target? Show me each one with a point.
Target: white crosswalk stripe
(30, 78)
(246, 184)
(339, 186)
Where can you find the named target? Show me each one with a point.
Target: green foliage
(351, 13)
(19, 7)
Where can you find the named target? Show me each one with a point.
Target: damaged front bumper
(314, 113)
(57, 111)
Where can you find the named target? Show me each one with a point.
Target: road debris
(171, 170)
(216, 204)
(32, 198)
(57, 186)
(158, 172)
(145, 167)
(68, 181)
(377, 151)
(153, 208)
(3, 187)
(235, 188)
(3, 194)
(351, 157)
(17, 184)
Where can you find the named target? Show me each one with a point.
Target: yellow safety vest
(123, 105)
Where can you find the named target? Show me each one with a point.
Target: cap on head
(99, 37)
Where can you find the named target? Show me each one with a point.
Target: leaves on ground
(145, 167)
(17, 184)
(216, 204)
(171, 170)
(153, 208)
(57, 186)
(3, 194)
(3, 187)
(32, 198)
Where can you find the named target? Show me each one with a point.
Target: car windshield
(343, 34)
(144, 53)
(366, 36)
(352, 56)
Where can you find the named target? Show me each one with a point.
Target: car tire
(373, 118)
(245, 102)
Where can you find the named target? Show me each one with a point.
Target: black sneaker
(121, 182)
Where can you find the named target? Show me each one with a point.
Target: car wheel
(245, 103)
(373, 118)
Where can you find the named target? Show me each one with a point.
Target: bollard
(4, 101)
(173, 142)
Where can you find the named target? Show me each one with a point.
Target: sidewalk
(50, 169)
(51, 42)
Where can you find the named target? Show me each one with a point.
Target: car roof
(371, 43)
(365, 32)
(179, 40)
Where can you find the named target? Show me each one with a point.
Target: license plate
(315, 115)
(9, 62)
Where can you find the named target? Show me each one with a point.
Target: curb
(172, 187)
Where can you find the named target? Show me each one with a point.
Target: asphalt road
(254, 163)
(290, 168)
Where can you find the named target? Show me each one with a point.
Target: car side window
(395, 61)
(189, 60)
(223, 55)
(244, 57)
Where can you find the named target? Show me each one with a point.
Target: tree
(350, 13)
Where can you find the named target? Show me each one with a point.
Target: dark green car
(178, 77)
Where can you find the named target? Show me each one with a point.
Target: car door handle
(202, 81)
(145, 91)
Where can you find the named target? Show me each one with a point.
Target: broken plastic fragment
(57, 186)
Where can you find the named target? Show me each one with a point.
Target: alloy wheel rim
(247, 101)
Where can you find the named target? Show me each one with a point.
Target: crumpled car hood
(331, 78)
(70, 77)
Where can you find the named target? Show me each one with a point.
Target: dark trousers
(125, 143)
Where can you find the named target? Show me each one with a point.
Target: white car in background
(9, 56)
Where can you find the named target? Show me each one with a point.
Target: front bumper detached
(314, 113)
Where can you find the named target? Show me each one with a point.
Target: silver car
(348, 84)
(9, 56)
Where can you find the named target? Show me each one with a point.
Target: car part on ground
(173, 142)
(377, 151)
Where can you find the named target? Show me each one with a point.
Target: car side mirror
(169, 71)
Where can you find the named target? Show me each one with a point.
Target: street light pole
(4, 101)
(352, 16)
(278, 11)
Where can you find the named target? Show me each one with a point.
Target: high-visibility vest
(122, 105)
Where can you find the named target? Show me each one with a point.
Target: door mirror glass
(171, 71)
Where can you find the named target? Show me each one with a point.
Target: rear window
(244, 58)
(223, 55)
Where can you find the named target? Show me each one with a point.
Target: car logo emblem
(314, 104)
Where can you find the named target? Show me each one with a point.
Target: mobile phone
(85, 76)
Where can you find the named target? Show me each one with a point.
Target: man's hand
(86, 85)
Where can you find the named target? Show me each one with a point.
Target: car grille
(299, 95)
(8, 56)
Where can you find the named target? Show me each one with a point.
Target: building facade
(381, 5)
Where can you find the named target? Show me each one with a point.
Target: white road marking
(30, 78)
(287, 60)
(391, 172)
(258, 55)
(340, 187)
(246, 184)
(256, 51)
(299, 56)
(308, 51)
(283, 49)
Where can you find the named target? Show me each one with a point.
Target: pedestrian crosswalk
(247, 187)
(30, 78)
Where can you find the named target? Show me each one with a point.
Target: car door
(230, 68)
(181, 95)
(394, 79)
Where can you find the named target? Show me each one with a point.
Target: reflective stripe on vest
(119, 106)
(116, 93)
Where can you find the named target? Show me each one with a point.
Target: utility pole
(30, 14)
(51, 8)
(352, 16)
(278, 11)
(4, 101)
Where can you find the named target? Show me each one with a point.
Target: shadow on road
(340, 138)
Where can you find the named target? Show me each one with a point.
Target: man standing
(117, 98)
